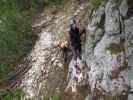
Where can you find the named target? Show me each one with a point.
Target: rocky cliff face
(107, 53)
(108, 45)
(106, 70)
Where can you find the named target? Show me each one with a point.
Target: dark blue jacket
(75, 38)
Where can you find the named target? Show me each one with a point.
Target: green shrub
(4, 69)
(37, 4)
(16, 36)
(12, 94)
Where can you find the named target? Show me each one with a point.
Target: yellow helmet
(63, 44)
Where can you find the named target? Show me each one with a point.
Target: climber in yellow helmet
(75, 40)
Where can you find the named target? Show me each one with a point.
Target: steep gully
(48, 73)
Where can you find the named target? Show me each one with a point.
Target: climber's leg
(74, 52)
(79, 52)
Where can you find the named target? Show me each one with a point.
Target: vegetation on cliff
(16, 35)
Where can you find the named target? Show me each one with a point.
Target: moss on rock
(114, 48)
(96, 3)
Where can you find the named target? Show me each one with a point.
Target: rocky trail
(48, 69)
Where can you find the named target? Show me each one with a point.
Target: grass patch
(114, 48)
(12, 94)
(52, 98)
(16, 35)
(4, 69)
(96, 3)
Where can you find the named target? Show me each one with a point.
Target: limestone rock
(112, 20)
(124, 8)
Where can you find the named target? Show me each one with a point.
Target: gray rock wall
(110, 58)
